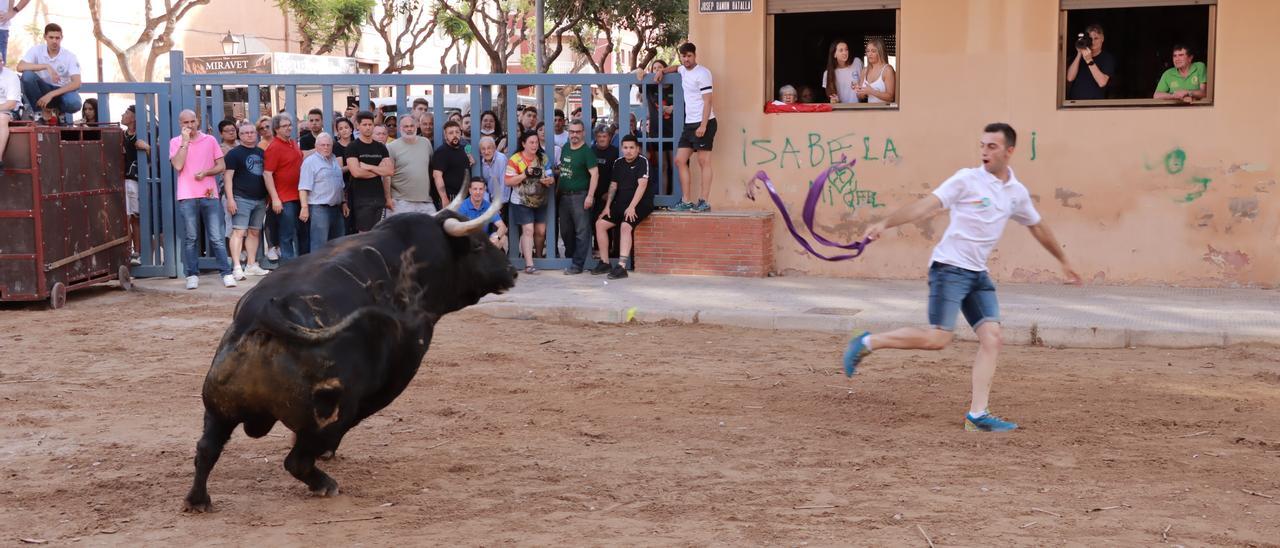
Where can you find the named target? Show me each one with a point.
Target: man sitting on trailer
(10, 98)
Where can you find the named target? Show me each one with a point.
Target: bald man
(197, 158)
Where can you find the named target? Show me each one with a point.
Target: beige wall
(1098, 175)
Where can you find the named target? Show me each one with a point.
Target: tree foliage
(156, 38)
(326, 23)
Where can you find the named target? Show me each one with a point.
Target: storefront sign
(252, 63)
(724, 6)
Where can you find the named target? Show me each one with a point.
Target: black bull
(334, 336)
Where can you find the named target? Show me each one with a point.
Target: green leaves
(326, 23)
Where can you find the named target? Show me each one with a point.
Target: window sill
(1133, 103)
(834, 107)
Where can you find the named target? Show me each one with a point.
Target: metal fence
(212, 95)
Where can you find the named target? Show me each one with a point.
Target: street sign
(724, 6)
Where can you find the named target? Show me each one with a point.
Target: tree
(156, 38)
(460, 40)
(655, 24)
(326, 23)
(401, 21)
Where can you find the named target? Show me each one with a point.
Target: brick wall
(719, 244)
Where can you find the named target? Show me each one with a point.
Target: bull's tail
(273, 319)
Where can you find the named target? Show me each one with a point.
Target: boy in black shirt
(630, 200)
(368, 162)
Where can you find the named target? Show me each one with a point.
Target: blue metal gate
(158, 105)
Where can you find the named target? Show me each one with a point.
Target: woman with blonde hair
(879, 84)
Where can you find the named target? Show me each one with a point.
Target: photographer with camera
(1098, 66)
(529, 179)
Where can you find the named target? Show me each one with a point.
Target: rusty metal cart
(63, 224)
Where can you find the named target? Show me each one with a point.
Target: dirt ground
(519, 432)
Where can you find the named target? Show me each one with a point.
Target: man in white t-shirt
(10, 98)
(51, 76)
(699, 127)
(981, 201)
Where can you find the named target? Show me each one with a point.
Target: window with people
(845, 59)
(1126, 53)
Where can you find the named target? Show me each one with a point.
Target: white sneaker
(273, 253)
(193, 282)
(255, 270)
(228, 281)
(237, 273)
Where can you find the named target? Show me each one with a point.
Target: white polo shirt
(980, 206)
(65, 65)
(10, 86)
(694, 82)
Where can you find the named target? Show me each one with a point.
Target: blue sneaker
(682, 206)
(988, 423)
(701, 207)
(854, 354)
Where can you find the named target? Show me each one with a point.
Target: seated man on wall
(629, 201)
(51, 76)
(10, 98)
(1185, 81)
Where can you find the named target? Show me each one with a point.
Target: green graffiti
(890, 149)
(842, 188)
(744, 147)
(788, 148)
(756, 143)
(866, 146)
(1203, 183)
(1175, 161)
(1033, 146)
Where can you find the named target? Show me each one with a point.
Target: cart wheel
(126, 279)
(58, 296)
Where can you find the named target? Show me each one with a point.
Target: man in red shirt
(283, 167)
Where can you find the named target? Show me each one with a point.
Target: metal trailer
(63, 224)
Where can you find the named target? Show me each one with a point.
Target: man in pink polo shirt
(197, 157)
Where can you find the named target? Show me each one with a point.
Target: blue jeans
(4, 46)
(953, 289)
(575, 221)
(209, 211)
(33, 88)
(293, 232)
(326, 224)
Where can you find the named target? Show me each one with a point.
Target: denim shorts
(525, 215)
(249, 214)
(953, 289)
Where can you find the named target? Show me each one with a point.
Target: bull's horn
(454, 227)
(457, 201)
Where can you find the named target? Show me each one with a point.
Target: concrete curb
(1014, 334)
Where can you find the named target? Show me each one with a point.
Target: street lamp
(228, 44)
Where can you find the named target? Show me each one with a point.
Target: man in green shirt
(578, 176)
(1186, 81)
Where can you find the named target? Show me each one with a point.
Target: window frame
(770, 89)
(1148, 102)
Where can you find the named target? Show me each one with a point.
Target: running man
(981, 200)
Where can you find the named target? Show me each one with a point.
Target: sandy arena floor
(542, 434)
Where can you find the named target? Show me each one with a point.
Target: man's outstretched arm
(1050, 243)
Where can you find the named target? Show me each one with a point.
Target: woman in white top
(847, 74)
(879, 85)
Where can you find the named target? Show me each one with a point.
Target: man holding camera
(1092, 69)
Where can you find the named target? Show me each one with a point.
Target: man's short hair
(488, 139)
(687, 47)
(577, 122)
(278, 119)
(1094, 27)
(248, 124)
(630, 138)
(1010, 136)
(420, 101)
(316, 111)
(559, 113)
(223, 124)
(480, 180)
(1182, 47)
(534, 110)
(605, 129)
(410, 116)
(363, 115)
(52, 27)
(452, 123)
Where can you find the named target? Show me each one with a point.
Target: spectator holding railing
(1186, 80)
(843, 74)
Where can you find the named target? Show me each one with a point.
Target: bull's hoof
(197, 505)
(328, 489)
(327, 455)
